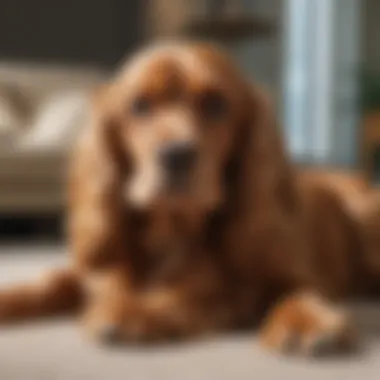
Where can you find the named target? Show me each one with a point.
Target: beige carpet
(57, 350)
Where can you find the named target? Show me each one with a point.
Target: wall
(85, 31)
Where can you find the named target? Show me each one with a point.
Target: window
(320, 79)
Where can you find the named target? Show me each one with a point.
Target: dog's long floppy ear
(265, 182)
(266, 227)
(95, 182)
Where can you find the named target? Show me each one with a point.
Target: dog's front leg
(108, 293)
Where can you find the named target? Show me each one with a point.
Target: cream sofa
(42, 109)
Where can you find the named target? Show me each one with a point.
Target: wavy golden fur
(250, 239)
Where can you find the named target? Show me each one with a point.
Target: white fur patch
(143, 188)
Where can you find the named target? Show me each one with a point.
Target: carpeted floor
(58, 351)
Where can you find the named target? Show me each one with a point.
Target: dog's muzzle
(178, 160)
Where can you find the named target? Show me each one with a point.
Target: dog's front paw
(159, 317)
(307, 324)
(103, 323)
(156, 316)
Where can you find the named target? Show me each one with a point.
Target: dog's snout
(178, 157)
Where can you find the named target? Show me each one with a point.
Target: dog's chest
(166, 242)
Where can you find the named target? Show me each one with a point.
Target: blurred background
(319, 58)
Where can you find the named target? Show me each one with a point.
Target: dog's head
(180, 114)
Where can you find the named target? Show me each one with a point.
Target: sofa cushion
(12, 114)
(57, 121)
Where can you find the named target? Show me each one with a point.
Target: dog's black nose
(178, 158)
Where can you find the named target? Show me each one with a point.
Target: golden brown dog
(186, 216)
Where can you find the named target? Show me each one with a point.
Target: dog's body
(231, 235)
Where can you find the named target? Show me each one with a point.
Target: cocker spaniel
(186, 216)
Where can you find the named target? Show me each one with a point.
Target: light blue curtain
(321, 48)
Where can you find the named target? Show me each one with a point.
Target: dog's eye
(141, 106)
(213, 105)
